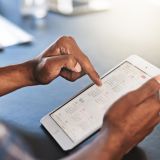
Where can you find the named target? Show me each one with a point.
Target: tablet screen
(83, 115)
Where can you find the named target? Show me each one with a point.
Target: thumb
(69, 62)
(49, 68)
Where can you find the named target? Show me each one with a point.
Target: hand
(132, 118)
(63, 58)
(128, 121)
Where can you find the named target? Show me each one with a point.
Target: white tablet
(82, 116)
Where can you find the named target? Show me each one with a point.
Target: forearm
(16, 76)
(104, 147)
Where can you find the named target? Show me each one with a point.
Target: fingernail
(99, 82)
(77, 68)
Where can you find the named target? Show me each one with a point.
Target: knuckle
(66, 42)
(65, 39)
(62, 40)
(70, 38)
(152, 85)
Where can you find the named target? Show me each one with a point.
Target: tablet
(82, 116)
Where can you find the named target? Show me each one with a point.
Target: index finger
(89, 69)
(71, 47)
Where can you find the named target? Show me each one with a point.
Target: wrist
(17, 76)
(112, 145)
(28, 69)
(104, 147)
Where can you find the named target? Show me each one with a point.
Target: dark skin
(120, 132)
(63, 58)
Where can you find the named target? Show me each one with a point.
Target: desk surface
(129, 27)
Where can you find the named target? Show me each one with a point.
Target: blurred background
(108, 31)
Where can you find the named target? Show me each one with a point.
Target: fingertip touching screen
(83, 115)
